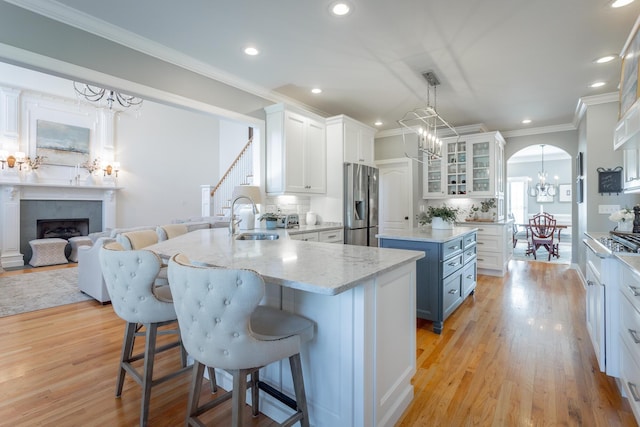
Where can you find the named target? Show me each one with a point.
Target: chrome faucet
(233, 223)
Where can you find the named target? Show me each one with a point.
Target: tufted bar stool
(130, 277)
(223, 326)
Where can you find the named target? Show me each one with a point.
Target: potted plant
(473, 212)
(486, 207)
(34, 164)
(441, 217)
(270, 218)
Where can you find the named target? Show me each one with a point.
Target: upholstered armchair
(90, 280)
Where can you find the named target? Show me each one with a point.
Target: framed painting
(62, 144)
(564, 192)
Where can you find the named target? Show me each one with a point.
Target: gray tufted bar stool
(223, 326)
(129, 276)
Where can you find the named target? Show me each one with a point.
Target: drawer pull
(634, 335)
(452, 264)
(634, 391)
(453, 291)
(634, 290)
(470, 276)
(453, 248)
(480, 259)
(332, 236)
(589, 283)
(481, 243)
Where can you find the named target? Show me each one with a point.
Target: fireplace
(62, 228)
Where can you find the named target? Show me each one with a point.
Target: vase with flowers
(33, 166)
(91, 166)
(624, 218)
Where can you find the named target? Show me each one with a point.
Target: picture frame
(564, 192)
(62, 144)
(610, 180)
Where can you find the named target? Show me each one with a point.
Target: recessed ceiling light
(597, 84)
(605, 59)
(620, 3)
(316, 90)
(340, 8)
(251, 51)
(378, 123)
(526, 121)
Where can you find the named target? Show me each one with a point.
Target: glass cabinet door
(432, 179)
(481, 176)
(456, 168)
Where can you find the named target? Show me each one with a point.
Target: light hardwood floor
(515, 354)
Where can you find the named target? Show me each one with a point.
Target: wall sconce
(109, 169)
(19, 159)
(3, 157)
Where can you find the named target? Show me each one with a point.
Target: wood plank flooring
(515, 354)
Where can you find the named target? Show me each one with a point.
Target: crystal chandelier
(96, 94)
(542, 188)
(427, 125)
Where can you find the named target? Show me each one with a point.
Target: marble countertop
(427, 234)
(322, 268)
(501, 222)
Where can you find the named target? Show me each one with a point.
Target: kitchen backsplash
(289, 205)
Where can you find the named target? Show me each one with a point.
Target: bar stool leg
(147, 380)
(125, 356)
(298, 386)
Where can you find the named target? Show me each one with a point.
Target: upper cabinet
(471, 166)
(627, 132)
(355, 138)
(296, 152)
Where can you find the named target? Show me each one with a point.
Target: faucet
(232, 222)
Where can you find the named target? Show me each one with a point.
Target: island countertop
(323, 268)
(427, 234)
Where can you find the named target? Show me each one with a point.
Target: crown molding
(587, 101)
(539, 130)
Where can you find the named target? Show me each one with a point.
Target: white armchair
(90, 280)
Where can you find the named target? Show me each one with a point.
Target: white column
(10, 255)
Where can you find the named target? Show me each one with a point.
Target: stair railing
(240, 172)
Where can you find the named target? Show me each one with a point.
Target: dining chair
(542, 228)
(223, 326)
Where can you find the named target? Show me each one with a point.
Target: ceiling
(498, 61)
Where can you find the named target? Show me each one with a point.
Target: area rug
(35, 291)
(564, 249)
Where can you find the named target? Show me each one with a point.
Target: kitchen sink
(257, 236)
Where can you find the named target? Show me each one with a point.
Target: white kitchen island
(358, 367)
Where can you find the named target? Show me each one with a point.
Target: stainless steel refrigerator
(360, 204)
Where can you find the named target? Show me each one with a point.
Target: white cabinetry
(631, 170)
(296, 152)
(326, 236)
(355, 138)
(494, 248)
(471, 166)
(595, 308)
(630, 338)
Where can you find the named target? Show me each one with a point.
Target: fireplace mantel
(11, 193)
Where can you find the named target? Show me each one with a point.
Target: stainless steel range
(621, 242)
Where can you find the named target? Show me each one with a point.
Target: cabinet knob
(406, 217)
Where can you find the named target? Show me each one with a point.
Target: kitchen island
(446, 275)
(358, 367)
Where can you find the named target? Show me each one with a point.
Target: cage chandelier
(97, 94)
(427, 125)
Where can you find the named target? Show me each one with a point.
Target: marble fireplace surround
(11, 195)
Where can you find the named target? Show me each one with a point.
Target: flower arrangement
(91, 166)
(446, 213)
(623, 215)
(36, 162)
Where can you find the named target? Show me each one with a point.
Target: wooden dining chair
(542, 228)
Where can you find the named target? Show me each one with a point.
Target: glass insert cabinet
(471, 166)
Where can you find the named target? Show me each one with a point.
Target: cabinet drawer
(451, 248)
(630, 378)
(469, 240)
(469, 254)
(469, 278)
(451, 287)
(331, 236)
(630, 287)
(630, 327)
(305, 237)
(488, 231)
(490, 244)
(452, 264)
(489, 260)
